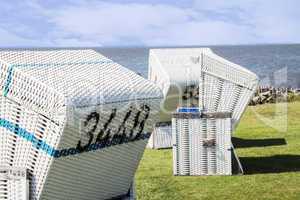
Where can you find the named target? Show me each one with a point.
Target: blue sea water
(276, 65)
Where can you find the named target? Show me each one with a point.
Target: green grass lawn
(268, 145)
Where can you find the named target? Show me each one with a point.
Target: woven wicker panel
(202, 146)
(77, 121)
(223, 147)
(225, 86)
(160, 138)
(13, 184)
(59, 80)
(19, 127)
(112, 169)
(181, 147)
(175, 149)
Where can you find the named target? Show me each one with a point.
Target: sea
(276, 65)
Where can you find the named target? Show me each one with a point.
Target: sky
(92, 23)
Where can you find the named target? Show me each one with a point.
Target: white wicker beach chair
(197, 76)
(77, 121)
(14, 184)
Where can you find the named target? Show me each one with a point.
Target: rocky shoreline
(267, 94)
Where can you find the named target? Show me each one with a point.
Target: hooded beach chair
(202, 140)
(75, 120)
(176, 72)
(224, 87)
(196, 77)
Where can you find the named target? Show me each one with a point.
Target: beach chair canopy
(225, 86)
(197, 76)
(76, 120)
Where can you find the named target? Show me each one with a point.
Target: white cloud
(116, 23)
(161, 24)
(270, 21)
(146, 24)
(277, 21)
(203, 22)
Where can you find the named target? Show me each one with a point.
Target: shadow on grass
(272, 164)
(246, 143)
